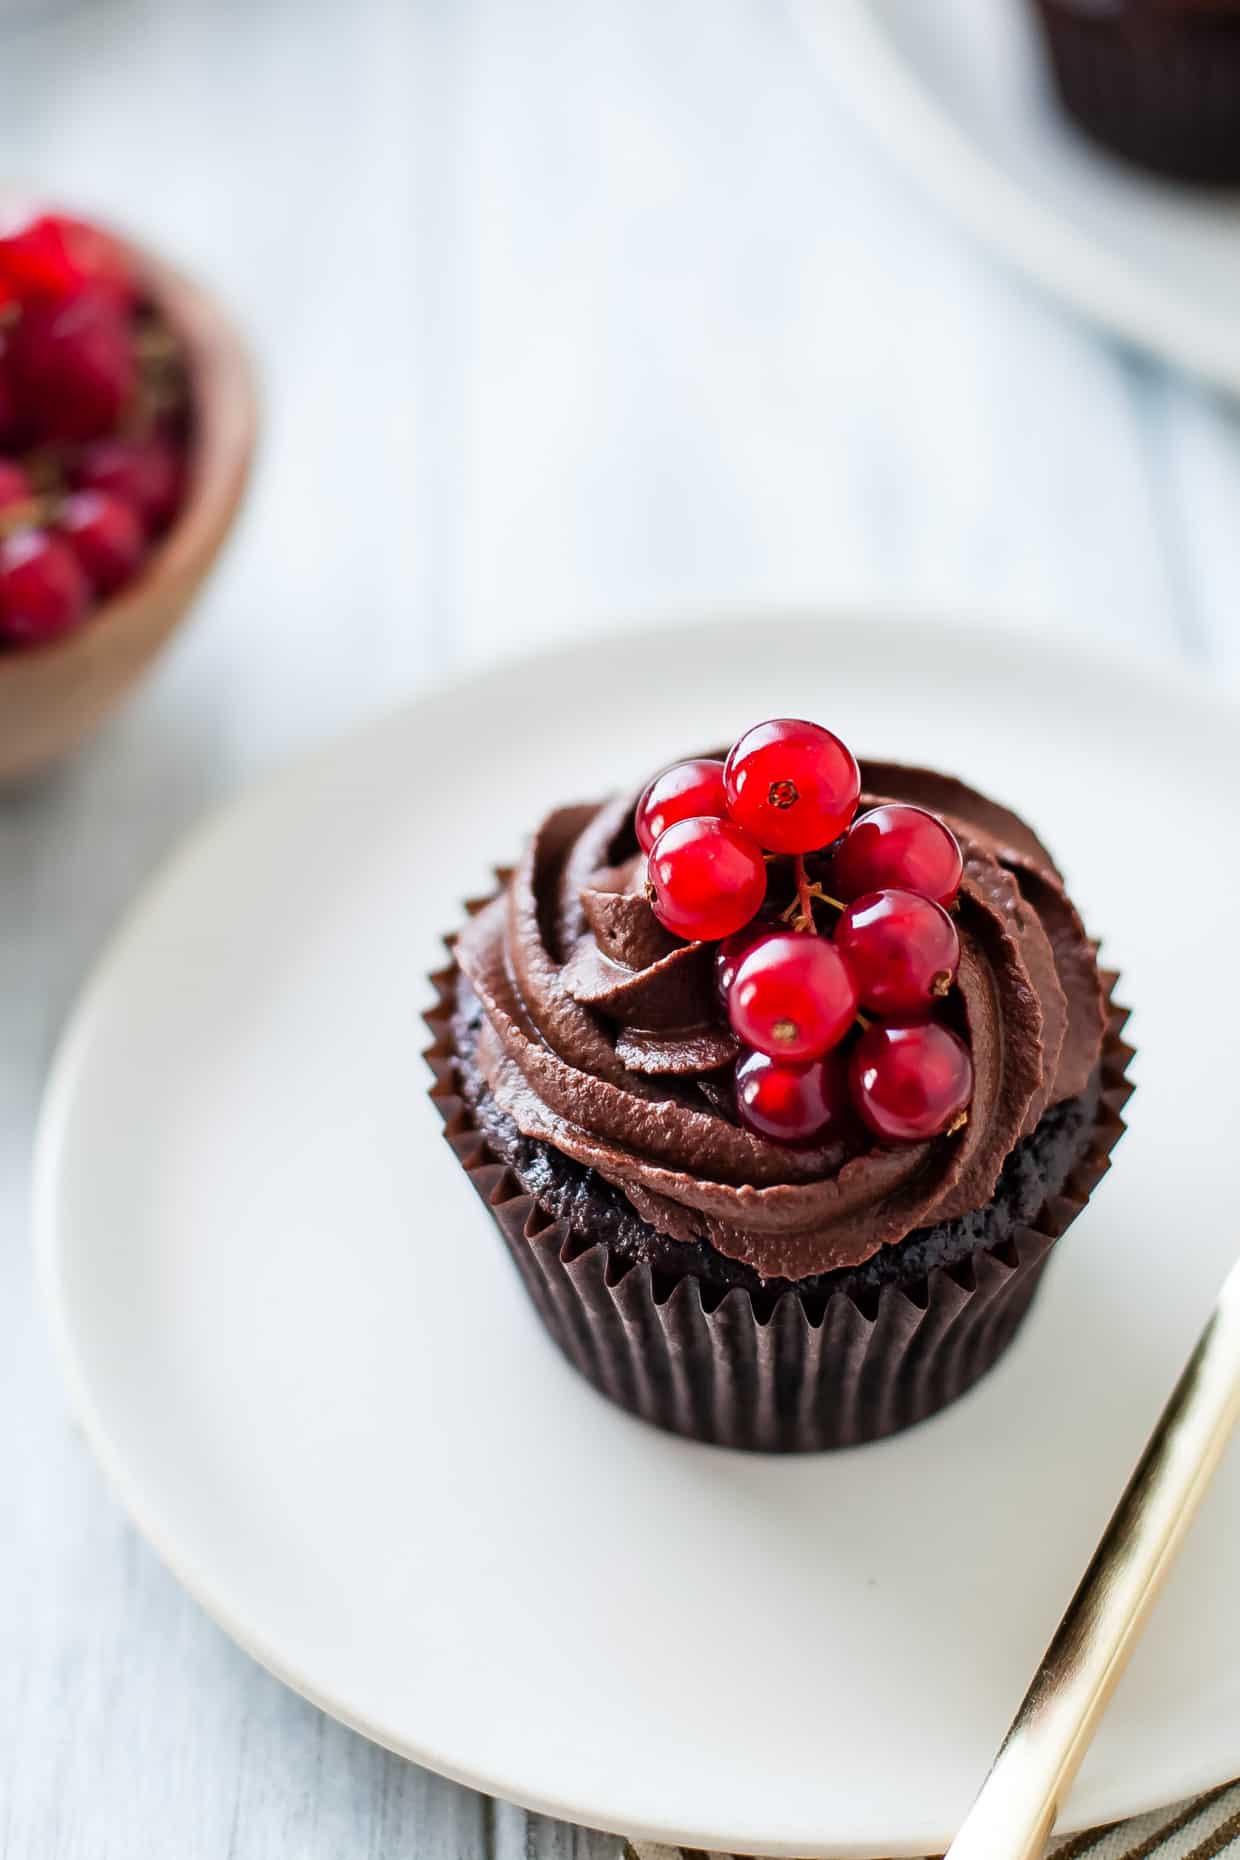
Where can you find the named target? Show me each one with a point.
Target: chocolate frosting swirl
(603, 1037)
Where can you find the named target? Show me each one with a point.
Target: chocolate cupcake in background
(1155, 81)
(781, 1249)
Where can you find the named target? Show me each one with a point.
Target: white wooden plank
(1195, 454)
(535, 1837)
(722, 356)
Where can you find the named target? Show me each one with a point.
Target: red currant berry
(690, 789)
(729, 953)
(105, 534)
(72, 366)
(706, 879)
(902, 951)
(51, 256)
(902, 846)
(147, 473)
(910, 1083)
(792, 785)
(43, 592)
(15, 487)
(794, 1104)
(99, 259)
(792, 997)
(34, 262)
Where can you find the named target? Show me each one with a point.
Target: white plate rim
(960, 627)
(908, 123)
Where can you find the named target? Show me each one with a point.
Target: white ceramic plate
(956, 93)
(301, 1354)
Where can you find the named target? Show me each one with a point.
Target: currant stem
(800, 913)
(805, 896)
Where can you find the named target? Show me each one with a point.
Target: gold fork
(1019, 1802)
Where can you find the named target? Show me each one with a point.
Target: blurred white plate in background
(956, 93)
(307, 1366)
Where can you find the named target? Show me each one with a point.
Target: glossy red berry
(792, 785)
(910, 1082)
(15, 486)
(100, 259)
(682, 792)
(794, 1104)
(902, 952)
(792, 997)
(43, 592)
(146, 473)
(51, 256)
(106, 536)
(71, 367)
(707, 879)
(730, 951)
(34, 261)
(898, 845)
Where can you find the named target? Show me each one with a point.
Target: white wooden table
(563, 312)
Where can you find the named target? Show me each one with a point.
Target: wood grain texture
(560, 312)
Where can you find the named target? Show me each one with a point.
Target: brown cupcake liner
(1162, 92)
(778, 1372)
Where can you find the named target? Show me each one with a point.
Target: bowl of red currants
(127, 420)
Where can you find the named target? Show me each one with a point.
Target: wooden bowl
(52, 697)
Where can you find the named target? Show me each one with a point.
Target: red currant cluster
(92, 416)
(719, 837)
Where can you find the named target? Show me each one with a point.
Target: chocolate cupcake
(1156, 81)
(780, 1107)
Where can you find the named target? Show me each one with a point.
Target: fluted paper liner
(1164, 92)
(778, 1372)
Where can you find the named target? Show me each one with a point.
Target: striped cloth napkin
(1201, 1829)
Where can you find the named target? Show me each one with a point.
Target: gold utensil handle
(1015, 1812)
